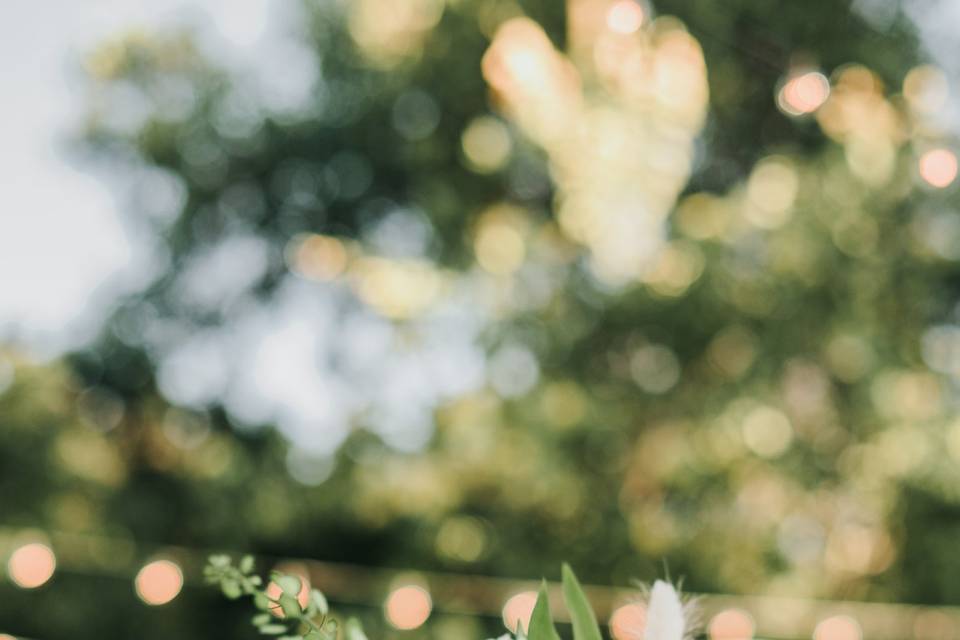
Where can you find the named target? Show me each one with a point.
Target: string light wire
(485, 596)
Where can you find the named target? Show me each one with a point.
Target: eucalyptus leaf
(262, 602)
(219, 561)
(231, 589)
(273, 629)
(353, 630)
(319, 601)
(288, 584)
(289, 605)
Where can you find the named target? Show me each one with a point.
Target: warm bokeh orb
(31, 565)
(838, 628)
(731, 624)
(4, 636)
(926, 88)
(804, 93)
(318, 257)
(625, 16)
(628, 622)
(938, 167)
(408, 607)
(159, 582)
(519, 608)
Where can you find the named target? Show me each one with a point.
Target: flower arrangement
(289, 612)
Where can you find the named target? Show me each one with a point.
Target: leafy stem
(280, 615)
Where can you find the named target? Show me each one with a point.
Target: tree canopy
(480, 286)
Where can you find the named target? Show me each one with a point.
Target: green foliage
(314, 623)
(281, 614)
(541, 621)
(812, 329)
(581, 615)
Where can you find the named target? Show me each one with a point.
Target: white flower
(668, 616)
(665, 615)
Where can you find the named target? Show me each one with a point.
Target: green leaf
(289, 605)
(319, 602)
(219, 561)
(273, 629)
(581, 615)
(353, 630)
(541, 624)
(246, 564)
(261, 619)
(231, 589)
(288, 584)
(262, 602)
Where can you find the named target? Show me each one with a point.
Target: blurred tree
(712, 288)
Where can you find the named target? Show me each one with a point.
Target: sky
(64, 250)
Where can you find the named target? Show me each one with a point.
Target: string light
(32, 565)
(628, 621)
(883, 621)
(518, 609)
(408, 607)
(838, 628)
(731, 624)
(159, 582)
(938, 167)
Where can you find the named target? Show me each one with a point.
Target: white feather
(665, 614)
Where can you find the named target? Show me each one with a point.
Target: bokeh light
(772, 189)
(486, 144)
(731, 624)
(499, 244)
(159, 582)
(926, 89)
(934, 625)
(461, 538)
(388, 33)
(838, 628)
(767, 432)
(628, 621)
(518, 609)
(938, 167)
(625, 16)
(543, 237)
(397, 288)
(803, 93)
(32, 565)
(408, 607)
(317, 257)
